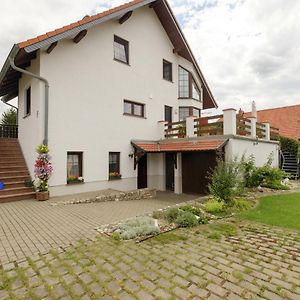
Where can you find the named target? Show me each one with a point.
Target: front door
(142, 172)
(170, 171)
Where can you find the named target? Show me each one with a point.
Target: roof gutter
(12, 64)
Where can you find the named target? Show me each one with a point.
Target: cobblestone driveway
(30, 227)
(258, 262)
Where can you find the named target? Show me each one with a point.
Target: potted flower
(115, 175)
(74, 179)
(42, 170)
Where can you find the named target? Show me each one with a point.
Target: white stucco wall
(87, 90)
(30, 127)
(261, 150)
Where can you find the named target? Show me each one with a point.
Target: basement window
(27, 102)
(121, 50)
(74, 167)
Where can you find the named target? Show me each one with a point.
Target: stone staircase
(13, 172)
(290, 164)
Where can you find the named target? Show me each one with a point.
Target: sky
(248, 50)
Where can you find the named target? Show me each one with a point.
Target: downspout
(12, 64)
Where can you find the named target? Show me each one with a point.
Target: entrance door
(168, 114)
(142, 172)
(170, 171)
(196, 166)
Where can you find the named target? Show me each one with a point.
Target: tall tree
(9, 117)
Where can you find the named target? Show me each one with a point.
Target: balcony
(228, 123)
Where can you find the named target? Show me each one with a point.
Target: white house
(100, 91)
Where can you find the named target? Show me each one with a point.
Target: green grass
(166, 238)
(279, 210)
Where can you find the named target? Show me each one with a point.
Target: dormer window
(188, 88)
(121, 50)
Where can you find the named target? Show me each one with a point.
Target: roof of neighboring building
(286, 119)
(179, 145)
(25, 51)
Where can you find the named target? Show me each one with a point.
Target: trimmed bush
(140, 226)
(186, 219)
(213, 206)
(192, 209)
(172, 214)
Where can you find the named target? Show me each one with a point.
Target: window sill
(135, 116)
(114, 178)
(122, 62)
(75, 182)
(26, 116)
(171, 81)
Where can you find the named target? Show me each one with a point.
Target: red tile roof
(180, 146)
(286, 119)
(76, 24)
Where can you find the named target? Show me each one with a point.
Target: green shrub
(241, 204)
(140, 226)
(192, 209)
(213, 206)
(172, 214)
(277, 185)
(159, 214)
(186, 219)
(266, 175)
(289, 145)
(226, 180)
(116, 236)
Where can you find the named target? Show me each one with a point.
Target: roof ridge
(275, 108)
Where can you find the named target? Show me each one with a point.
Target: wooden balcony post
(161, 129)
(229, 116)
(190, 130)
(267, 130)
(253, 127)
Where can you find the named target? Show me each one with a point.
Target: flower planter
(42, 196)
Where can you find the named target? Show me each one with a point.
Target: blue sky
(247, 49)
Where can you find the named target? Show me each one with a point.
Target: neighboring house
(286, 119)
(125, 101)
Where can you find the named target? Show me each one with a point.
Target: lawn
(280, 210)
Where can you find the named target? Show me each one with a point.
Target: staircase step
(14, 184)
(17, 197)
(12, 168)
(10, 159)
(16, 190)
(10, 179)
(13, 173)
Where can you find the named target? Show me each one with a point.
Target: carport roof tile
(179, 146)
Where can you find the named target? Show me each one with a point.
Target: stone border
(140, 194)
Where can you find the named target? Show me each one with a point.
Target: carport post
(178, 175)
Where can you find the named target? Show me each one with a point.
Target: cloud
(247, 49)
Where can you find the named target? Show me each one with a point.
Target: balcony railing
(212, 125)
(8, 131)
(228, 123)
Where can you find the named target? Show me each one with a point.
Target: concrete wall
(87, 89)
(237, 147)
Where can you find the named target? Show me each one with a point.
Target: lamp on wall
(256, 141)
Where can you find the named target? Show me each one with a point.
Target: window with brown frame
(114, 165)
(121, 50)
(74, 166)
(167, 70)
(27, 102)
(187, 85)
(188, 111)
(134, 109)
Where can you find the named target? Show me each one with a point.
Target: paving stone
(198, 291)
(216, 289)
(181, 293)
(162, 294)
